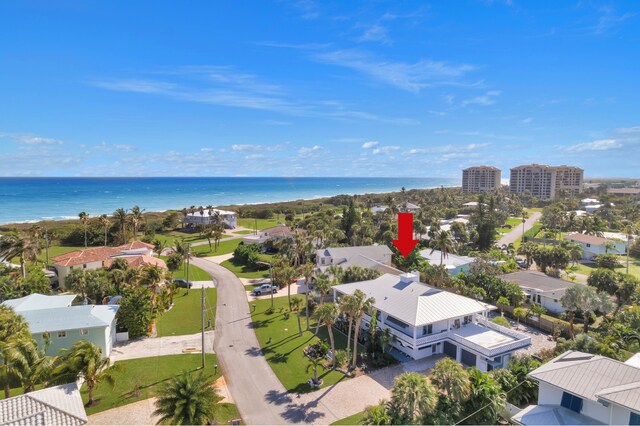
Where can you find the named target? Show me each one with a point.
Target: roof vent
(410, 277)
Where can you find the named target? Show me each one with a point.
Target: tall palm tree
(296, 306)
(188, 399)
(362, 305)
(322, 286)
(575, 252)
(347, 307)
(13, 330)
(444, 243)
(412, 399)
(84, 220)
(525, 216)
(630, 230)
(326, 314)
(152, 277)
(105, 223)
(307, 270)
(570, 301)
(85, 359)
(21, 246)
(37, 366)
(136, 220)
(528, 250)
(121, 218)
(451, 379)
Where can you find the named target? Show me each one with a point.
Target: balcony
(489, 339)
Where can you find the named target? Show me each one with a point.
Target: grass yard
(243, 232)
(587, 268)
(139, 379)
(285, 353)
(54, 251)
(195, 273)
(184, 317)
(356, 419)
(243, 271)
(514, 222)
(224, 247)
(250, 223)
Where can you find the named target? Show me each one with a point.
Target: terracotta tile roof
(137, 261)
(96, 254)
(136, 245)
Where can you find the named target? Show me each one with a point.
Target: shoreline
(223, 206)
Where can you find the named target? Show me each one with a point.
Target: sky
(311, 88)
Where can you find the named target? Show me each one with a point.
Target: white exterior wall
(63, 271)
(549, 394)
(552, 395)
(549, 302)
(619, 415)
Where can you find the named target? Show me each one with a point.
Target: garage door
(468, 358)
(450, 349)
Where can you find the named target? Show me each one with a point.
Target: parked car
(522, 264)
(180, 283)
(265, 289)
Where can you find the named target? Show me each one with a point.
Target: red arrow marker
(405, 242)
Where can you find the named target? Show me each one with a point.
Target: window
(571, 402)
(588, 245)
(84, 331)
(456, 323)
(427, 329)
(84, 266)
(62, 334)
(634, 419)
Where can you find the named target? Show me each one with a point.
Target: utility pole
(46, 241)
(271, 282)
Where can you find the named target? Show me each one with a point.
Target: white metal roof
(39, 301)
(413, 302)
(57, 405)
(70, 318)
(433, 256)
(206, 212)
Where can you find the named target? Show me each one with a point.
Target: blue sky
(306, 88)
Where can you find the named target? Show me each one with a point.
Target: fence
(543, 324)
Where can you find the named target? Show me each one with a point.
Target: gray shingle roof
(593, 377)
(414, 303)
(57, 405)
(537, 280)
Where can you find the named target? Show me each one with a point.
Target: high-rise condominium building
(546, 182)
(480, 179)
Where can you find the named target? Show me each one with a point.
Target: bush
(608, 261)
(501, 321)
(317, 350)
(134, 314)
(247, 254)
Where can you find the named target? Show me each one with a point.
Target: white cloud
(134, 85)
(375, 32)
(309, 151)
(449, 149)
(406, 76)
(527, 120)
(598, 145)
(256, 148)
(29, 139)
(385, 149)
(206, 149)
(485, 100)
(370, 144)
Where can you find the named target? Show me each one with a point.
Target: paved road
(515, 233)
(257, 391)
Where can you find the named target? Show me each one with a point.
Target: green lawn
(224, 247)
(514, 222)
(587, 268)
(250, 223)
(195, 273)
(243, 232)
(54, 251)
(148, 375)
(285, 353)
(356, 419)
(244, 271)
(185, 316)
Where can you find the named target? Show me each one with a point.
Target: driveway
(158, 346)
(297, 288)
(511, 236)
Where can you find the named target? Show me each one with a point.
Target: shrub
(608, 261)
(317, 350)
(501, 321)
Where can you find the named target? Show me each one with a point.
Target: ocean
(33, 199)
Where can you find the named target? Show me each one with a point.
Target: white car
(265, 289)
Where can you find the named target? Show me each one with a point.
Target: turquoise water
(31, 199)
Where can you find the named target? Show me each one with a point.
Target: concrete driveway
(158, 346)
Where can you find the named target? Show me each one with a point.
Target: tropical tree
(362, 305)
(105, 223)
(322, 286)
(444, 243)
(326, 314)
(593, 301)
(629, 230)
(314, 364)
(35, 366)
(519, 313)
(85, 359)
(136, 220)
(486, 401)
(152, 277)
(528, 250)
(575, 252)
(188, 399)
(296, 306)
(451, 379)
(537, 311)
(13, 330)
(570, 301)
(413, 398)
(21, 246)
(84, 220)
(77, 280)
(122, 219)
(347, 307)
(307, 270)
(376, 415)
(502, 303)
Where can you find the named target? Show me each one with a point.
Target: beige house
(480, 179)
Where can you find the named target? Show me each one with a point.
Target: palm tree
(84, 220)
(575, 252)
(296, 306)
(322, 286)
(105, 223)
(13, 329)
(570, 301)
(525, 216)
(537, 311)
(307, 270)
(152, 277)
(519, 313)
(362, 305)
(412, 399)
(592, 301)
(630, 230)
(502, 303)
(347, 307)
(451, 379)
(528, 250)
(122, 218)
(188, 399)
(444, 243)
(21, 246)
(136, 219)
(326, 314)
(36, 367)
(85, 359)
(314, 364)
(376, 415)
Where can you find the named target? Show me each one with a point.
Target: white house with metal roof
(228, 219)
(376, 257)
(540, 288)
(55, 324)
(427, 321)
(452, 262)
(58, 405)
(578, 388)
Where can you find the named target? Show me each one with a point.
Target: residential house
(630, 192)
(274, 233)
(427, 321)
(378, 209)
(136, 253)
(56, 324)
(593, 246)
(58, 406)
(540, 288)
(454, 263)
(408, 208)
(376, 257)
(203, 216)
(589, 201)
(578, 388)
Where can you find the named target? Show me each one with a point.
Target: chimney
(410, 277)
